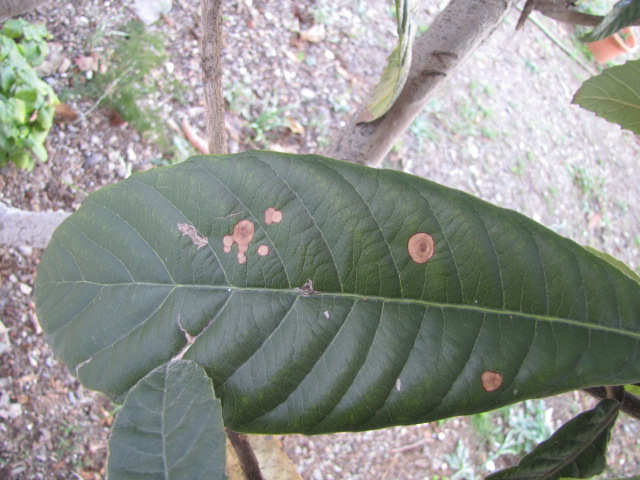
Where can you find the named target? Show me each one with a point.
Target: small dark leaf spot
(491, 380)
(271, 215)
(263, 250)
(242, 236)
(420, 247)
(191, 232)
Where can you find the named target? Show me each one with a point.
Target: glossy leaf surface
(578, 449)
(316, 301)
(170, 427)
(614, 95)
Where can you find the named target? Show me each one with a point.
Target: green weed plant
(26, 101)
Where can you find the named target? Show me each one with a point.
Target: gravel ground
(502, 129)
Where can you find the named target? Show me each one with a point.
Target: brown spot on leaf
(241, 236)
(263, 250)
(420, 247)
(191, 232)
(491, 380)
(271, 215)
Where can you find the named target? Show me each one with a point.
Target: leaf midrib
(362, 297)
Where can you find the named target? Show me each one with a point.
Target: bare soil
(503, 129)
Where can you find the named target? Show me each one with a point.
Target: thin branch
(246, 455)
(526, 11)
(630, 403)
(562, 12)
(455, 33)
(211, 48)
(562, 46)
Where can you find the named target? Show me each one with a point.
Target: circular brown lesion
(420, 247)
(241, 236)
(491, 380)
(271, 215)
(263, 250)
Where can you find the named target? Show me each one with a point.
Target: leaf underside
(398, 65)
(578, 449)
(169, 427)
(614, 95)
(504, 310)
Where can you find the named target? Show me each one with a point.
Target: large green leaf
(578, 449)
(623, 14)
(503, 310)
(170, 427)
(614, 95)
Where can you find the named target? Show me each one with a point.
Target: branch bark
(211, 48)
(246, 455)
(455, 33)
(31, 229)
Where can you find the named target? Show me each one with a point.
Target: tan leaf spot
(420, 247)
(191, 232)
(227, 242)
(263, 250)
(271, 215)
(491, 380)
(241, 236)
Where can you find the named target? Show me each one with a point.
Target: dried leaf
(315, 34)
(194, 137)
(295, 126)
(64, 113)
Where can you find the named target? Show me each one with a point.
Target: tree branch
(455, 33)
(630, 403)
(246, 455)
(23, 228)
(562, 12)
(211, 48)
(526, 11)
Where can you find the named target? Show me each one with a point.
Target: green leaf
(578, 449)
(14, 28)
(504, 309)
(620, 265)
(170, 427)
(601, 478)
(614, 95)
(395, 73)
(633, 389)
(623, 14)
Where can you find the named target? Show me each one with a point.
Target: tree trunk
(9, 8)
(455, 33)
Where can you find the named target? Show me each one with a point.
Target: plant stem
(246, 455)
(630, 403)
(211, 48)
(564, 48)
